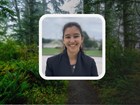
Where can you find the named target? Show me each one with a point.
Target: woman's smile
(73, 45)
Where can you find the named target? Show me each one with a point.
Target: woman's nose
(72, 39)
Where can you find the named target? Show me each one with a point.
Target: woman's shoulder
(87, 58)
(55, 57)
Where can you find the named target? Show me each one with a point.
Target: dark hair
(70, 24)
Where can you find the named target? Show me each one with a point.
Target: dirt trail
(81, 92)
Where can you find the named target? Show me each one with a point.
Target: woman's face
(72, 39)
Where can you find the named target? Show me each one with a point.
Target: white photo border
(72, 77)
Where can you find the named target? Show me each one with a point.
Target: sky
(52, 26)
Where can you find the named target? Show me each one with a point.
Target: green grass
(54, 51)
(95, 53)
(51, 51)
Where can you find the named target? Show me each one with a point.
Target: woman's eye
(68, 37)
(76, 36)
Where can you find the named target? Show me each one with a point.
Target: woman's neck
(72, 57)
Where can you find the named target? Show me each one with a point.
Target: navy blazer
(59, 65)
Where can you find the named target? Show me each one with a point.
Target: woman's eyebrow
(67, 35)
(76, 34)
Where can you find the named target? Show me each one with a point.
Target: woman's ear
(82, 39)
(63, 42)
(63, 45)
(82, 44)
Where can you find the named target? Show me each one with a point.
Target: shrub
(21, 83)
(8, 50)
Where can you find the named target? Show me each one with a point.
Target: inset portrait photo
(72, 47)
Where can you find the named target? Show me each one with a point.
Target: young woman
(72, 61)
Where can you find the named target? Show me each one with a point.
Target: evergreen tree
(6, 15)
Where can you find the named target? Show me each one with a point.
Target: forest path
(81, 92)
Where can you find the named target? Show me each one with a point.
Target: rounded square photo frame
(88, 20)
